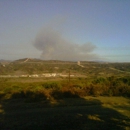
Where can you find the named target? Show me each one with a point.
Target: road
(119, 70)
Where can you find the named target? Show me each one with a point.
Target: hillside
(98, 93)
(85, 68)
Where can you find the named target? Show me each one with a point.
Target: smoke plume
(55, 47)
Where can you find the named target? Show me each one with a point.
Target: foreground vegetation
(52, 89)
(81, 103)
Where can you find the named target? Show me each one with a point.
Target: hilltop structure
(78, 62)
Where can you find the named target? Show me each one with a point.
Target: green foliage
(57, 94)
(100, 80)
(37, 91)
(51, 85)
(29, 95)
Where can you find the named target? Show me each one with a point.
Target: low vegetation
(80, 87)
(97, 98)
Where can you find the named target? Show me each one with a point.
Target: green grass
(82, 103)
(111, 86)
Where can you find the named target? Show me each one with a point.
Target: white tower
(78, 62)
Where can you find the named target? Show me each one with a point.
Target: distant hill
(38, 66)
(27, 60)
(34, 60)
(2, 61)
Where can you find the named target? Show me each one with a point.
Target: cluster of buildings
(40, 75)
(47, 75)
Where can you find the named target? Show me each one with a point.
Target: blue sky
(103, 23)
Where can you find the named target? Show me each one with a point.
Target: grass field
(78, 104)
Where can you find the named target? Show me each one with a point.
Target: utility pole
(69, 76)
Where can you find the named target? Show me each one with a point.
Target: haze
(65, 30)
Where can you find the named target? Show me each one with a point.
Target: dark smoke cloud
(55, 47)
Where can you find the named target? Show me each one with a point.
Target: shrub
(29, 95)
(57, 94)
(52, 85)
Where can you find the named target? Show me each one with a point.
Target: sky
(77, 30)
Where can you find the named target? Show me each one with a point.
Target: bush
(37, 91)
(51, 85)
(57, 94)
(29, 95)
